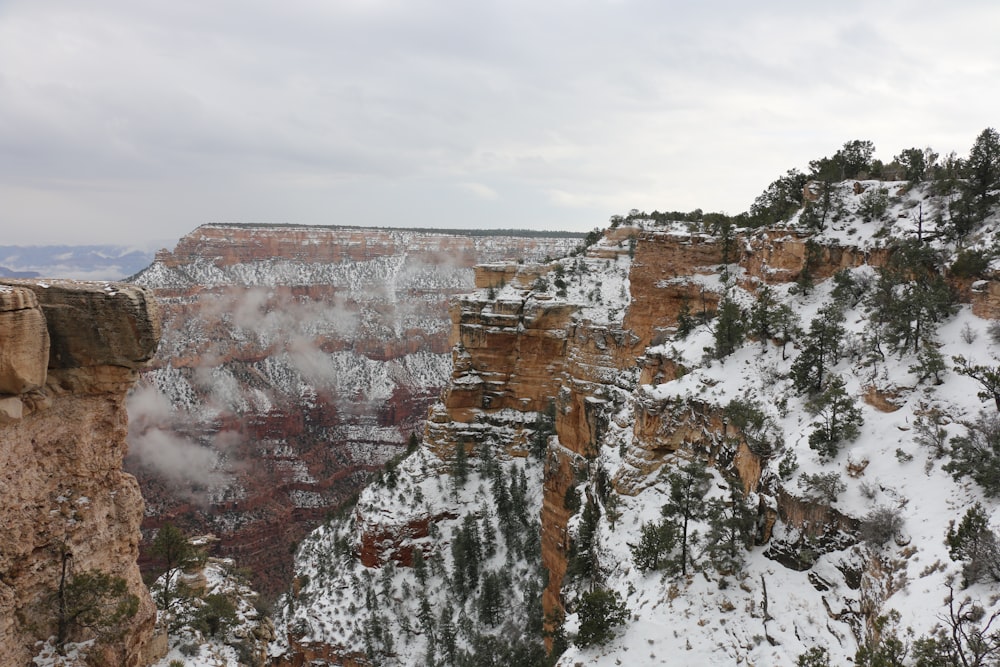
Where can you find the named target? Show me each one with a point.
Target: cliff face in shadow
(69, 352)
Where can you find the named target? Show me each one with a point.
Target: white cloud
(132, 120)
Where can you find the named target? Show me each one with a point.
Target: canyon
(572, 375)
(295, 362)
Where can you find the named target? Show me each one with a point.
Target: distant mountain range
(90, 262)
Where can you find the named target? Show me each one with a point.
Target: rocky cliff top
(69, 351)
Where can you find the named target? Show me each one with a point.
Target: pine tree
(731, 529)
(729, 328)
(175, 554)
(975, 544)
(656, 541)
(839, 418)
(600, 612)
(988, 378)
(685, 504)
(982, 172)
(977, 454)
(821, 349)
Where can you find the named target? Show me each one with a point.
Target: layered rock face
(69, 352)
(295, 361)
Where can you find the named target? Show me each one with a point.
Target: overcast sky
(129, 121)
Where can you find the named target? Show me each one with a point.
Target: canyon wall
(69, 352)
(296, 361)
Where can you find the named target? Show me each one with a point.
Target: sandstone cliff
(295, 362)
(591, 343)
(69, 352)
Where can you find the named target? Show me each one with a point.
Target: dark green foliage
(491, 599)
(215, 615)
(600, 612)
(92, 601)
(685, 503)
(873, 205)
(982, 173)
(910, 297)
(779, 201)
(748, 417)
(883, 648)
(467, 555)
(974, 543)
(732, 523)
(977, 453)
(853, 160)
(729, 328)
(459, 466)
(544, 428)
(839, 418)
(813, 255)
(916, 163)
(930, 363)
(971, 264)
(817, 656)
(821, 349)
(822, 487)
(988, 378)
(769, 319)
(686, 322)
(656, 541)
(583, 561)
(173, 553)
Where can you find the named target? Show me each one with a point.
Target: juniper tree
(93, 601)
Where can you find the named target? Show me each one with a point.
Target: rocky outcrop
(296, 361)
(70, 351)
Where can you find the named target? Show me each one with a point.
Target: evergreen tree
(764, 316)
(821, 350)
(491, 599)
(600, 612)
(656, 541)
(988, 378)
(685, 504)
(982, 173)
(779, 201)
(977, 454)
(175, 554)
(459, 466)
(975, 544)
(729, 328)
(686, 322)
(813, 255)
(731, 530)
(584, 562)
(92, 601)
(839, 418)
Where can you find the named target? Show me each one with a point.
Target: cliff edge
(69, 352)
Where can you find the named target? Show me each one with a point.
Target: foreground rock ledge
(69, 351)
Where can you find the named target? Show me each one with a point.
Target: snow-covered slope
(637, 397)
